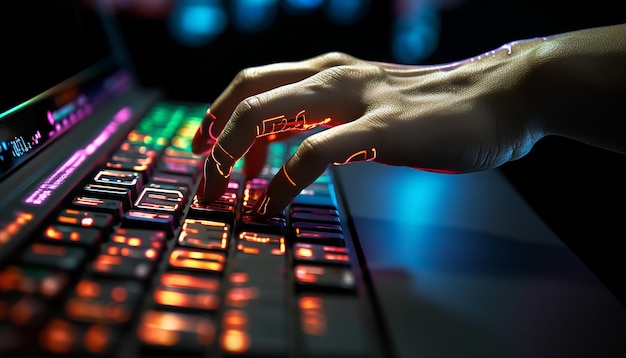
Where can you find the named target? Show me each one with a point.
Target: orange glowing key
(197, 260)
(178, 331)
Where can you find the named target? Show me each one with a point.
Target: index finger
(256, 118)
(252, 81)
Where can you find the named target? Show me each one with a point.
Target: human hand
(454, 118)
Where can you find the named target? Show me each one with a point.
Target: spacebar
(255, 317)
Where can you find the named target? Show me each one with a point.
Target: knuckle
(312, 150)
(245, 77)
(336, 58)
(248, 106)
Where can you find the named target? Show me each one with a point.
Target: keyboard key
(89, 238)
(66, 338)
(123, 267)
(221, 209)
(113, 207)
(144, 169)
(187, 333)
(324, 277)
(112, 192)
(172, 179)
(258, 331)
(179, 167)
(201, 260)
(187, 291)
(322, 254)
(140, 238)
(161, 200)
(125, 179)
(56, 257)
(326, 215)
(39, 281)
(317, 226)
(204, 234)
(22, 311)
(273, 225)
(146, 253)
(141, 219)
(87, 219)
(319, 237)
(104, 302)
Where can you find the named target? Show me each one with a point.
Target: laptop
(104, 250)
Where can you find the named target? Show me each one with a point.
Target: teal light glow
(346, 12)
(250, 16)
(302, 6)
(196, 23)
(415, 31)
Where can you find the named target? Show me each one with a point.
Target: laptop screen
(52, 57)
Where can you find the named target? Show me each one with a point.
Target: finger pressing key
(347, 143)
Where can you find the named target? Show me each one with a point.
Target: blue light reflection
(251, 16)
(196, 23)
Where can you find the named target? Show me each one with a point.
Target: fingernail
(265, 208)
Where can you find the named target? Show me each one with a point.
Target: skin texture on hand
(461, 117)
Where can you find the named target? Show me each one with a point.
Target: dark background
(577, 189)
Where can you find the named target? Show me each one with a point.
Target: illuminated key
(163, 200)
(176, 331)
(144, 169)
(204, 234)
(318, 237)
(261, 244)
(33, 280)
(115, 266)
(23, 311)
(222, 208)
(186, 299)
(258, 331)
(317, 226)
(106, 191)
(146, 253)
(57, 257)
(197, 260)
(75, 235)
(140, 238)
(105, 302)
(62, 337)
(88, 219)
(323, 254)
(324, 277)
(150, 220)
(107, 206)
(125, 179)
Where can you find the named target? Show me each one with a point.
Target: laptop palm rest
(462, 267)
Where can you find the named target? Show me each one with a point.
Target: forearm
(577, 86)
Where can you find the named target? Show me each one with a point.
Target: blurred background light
(252, 16)
(346, 12)
(301, 7)
(196, 23)
(415, 30)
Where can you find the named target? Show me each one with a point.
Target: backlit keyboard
(132, 265)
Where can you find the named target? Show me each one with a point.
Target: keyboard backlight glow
(49, 185)
(235, 341)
